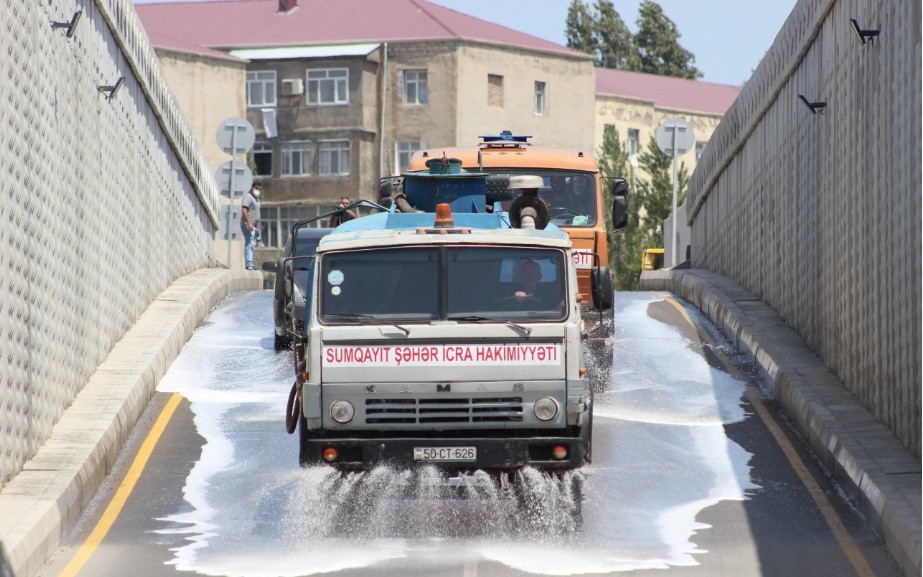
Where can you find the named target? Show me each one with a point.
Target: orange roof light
(444, 216)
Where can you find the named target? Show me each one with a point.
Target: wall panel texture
(103, 203)
(820, 214)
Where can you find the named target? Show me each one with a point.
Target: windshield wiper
(371, 318)
(479, 319)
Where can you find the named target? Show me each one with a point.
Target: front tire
(282, 342)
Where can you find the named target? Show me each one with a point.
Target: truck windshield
(455, 283)
(571, 195)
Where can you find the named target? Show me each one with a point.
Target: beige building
(635, 104)
(207, 84)
(343, 95)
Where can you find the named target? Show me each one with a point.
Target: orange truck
(574, 193)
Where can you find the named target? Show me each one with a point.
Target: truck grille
(443, 411)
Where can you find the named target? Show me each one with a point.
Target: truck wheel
(293, 409)
(282, 342)
(598, 351)
(586, 432)
(598, 354)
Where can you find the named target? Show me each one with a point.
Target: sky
(727, 37)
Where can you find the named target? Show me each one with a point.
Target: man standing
(250, 221)
(343, 215)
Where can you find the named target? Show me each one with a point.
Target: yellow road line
(121, 496)
(820, 498)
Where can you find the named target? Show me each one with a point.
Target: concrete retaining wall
(106, 200)
(40, 504)
(863, 455)
(818, 215)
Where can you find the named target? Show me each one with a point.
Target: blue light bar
(505, 137)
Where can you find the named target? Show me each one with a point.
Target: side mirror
(619, 192)
(601, 287)
(270, 266)
(289, 280)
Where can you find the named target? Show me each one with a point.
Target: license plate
(445, 453)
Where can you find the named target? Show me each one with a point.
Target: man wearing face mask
(250, 221)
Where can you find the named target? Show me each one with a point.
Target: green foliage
(655, 196)
(579, 28)
(654, 49)
(613, 41)
(657, 43)
(626, 246)
(650, 202)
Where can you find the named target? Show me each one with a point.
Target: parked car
(289, 320)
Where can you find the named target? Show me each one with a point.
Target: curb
(41, 503)
(864, 457)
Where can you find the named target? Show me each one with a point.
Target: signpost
(235, 136)
(675, 138)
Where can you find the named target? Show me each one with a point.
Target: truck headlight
(545, 409)
(342, 412)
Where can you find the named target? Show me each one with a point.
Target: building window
(276, 222)
(540, 99)
(333, 157)
(634, 139)
(699, 148)
(296, 157)
(328, 86)
(416, 88)
(261, 88)
(495, 91)
(404, 150)
(262, 158)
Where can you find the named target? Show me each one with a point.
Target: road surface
(694, 473)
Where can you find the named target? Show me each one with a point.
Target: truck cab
(575, 193)
(445, 338)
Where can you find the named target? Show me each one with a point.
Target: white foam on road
(661, 457)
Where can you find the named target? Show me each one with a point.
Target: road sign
(240, 183)
(675, 138)
(677, 133)
(231, 215)
(235, 136)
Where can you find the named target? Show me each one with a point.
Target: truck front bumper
(492, 453)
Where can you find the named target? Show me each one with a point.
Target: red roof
(167, 42)
(258, 23)
(666, 91)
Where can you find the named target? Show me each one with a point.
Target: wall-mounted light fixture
(69, 26)
(112, 90)
(814, 107)
(865, 36)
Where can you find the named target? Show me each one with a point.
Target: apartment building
(635, 104)
(342, 93)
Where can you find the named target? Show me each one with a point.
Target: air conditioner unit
(292, 86)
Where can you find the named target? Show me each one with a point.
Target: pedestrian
(342, 214)
(250, 221)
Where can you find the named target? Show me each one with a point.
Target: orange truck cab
(573, 192)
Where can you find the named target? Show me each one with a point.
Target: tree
(613, 41)
(626, 246)
(650, 203)
(579, 28)
(655, 196)
(657, 44)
